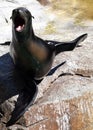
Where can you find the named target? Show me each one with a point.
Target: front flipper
(25, 99)
(6, 43)
(66, 46)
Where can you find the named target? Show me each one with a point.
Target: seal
(32, 56)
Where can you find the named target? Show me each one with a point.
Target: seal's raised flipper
(67, 46)
(24, 100)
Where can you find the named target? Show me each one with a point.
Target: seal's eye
(19, 23)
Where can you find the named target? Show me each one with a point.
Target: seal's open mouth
(19, 23)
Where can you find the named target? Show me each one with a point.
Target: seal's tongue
(20, 28)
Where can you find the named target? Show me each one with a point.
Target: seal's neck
(22, 37)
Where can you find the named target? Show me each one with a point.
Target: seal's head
(22, 22)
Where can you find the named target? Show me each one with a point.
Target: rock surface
(65, 98)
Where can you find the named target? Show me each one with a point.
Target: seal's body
(33, 56)
(30, 53)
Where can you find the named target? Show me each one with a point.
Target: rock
(66, 99)
(43, 2)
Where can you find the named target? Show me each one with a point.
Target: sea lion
(32, 56)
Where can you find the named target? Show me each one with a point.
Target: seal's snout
(15, 11)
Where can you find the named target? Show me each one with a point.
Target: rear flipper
(24, 100)
(67, 46)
